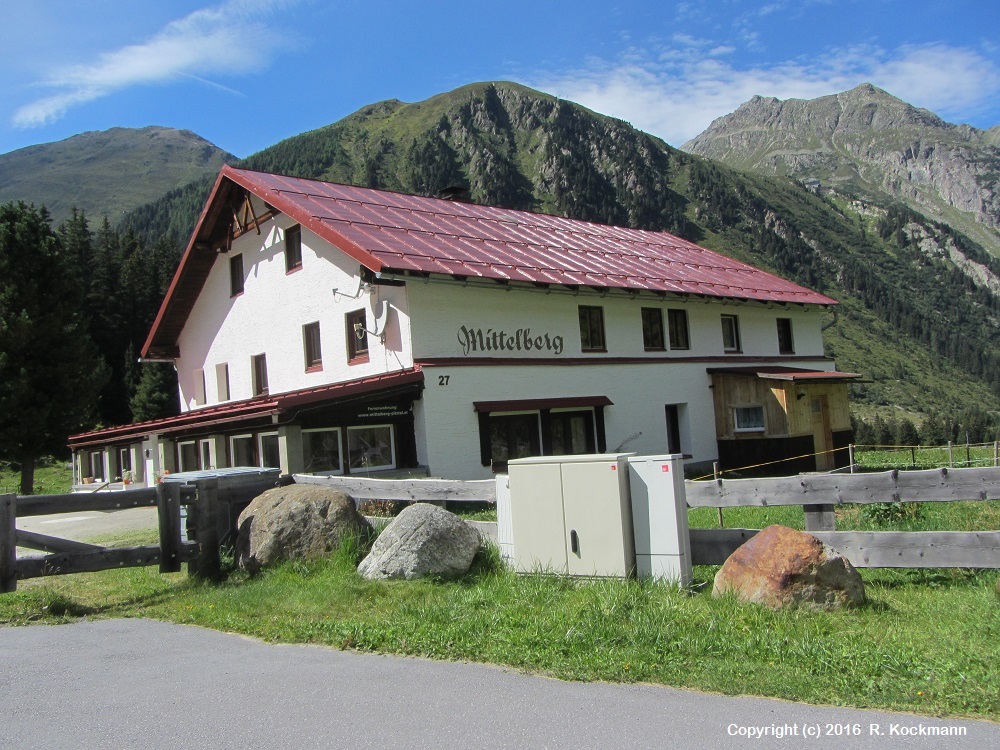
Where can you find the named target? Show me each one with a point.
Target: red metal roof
(239, 411)
(395, 232)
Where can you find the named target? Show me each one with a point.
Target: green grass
(51, 477)
(926, 457)
(905, 650)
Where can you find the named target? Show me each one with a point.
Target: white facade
(475, 342)
(443, 367)
(639, 383)
(269, 315)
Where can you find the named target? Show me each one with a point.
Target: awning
(533, 404)
(792, 374)
(256, 408)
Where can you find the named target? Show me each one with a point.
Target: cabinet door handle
(574, 542)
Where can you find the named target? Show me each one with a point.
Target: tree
(156, 393)
(49, 371)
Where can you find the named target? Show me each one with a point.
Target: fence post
(850, 456)
(8, 543)
(206, 532)
(951, 455)
(820, 517)
(715, 473)
(168, 508)
(996, 453)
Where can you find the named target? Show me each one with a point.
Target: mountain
(920, 312)
(870, 145)
(108, 172)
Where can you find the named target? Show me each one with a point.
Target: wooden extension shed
(796, 416)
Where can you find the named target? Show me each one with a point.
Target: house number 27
(443, 379)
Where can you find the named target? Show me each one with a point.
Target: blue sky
(247, 73)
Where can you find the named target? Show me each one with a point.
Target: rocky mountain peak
(870, 144)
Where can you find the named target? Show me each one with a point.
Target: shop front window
(241, 448)
(321, 452)
(371, 447)
(188, 456)
(270, 454)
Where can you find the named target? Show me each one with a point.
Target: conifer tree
(50, 373)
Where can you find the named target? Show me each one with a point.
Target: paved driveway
(146, 684)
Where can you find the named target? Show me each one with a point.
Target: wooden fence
(425, 490)
(210, 506)
(819, 494)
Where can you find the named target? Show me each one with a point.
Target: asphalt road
(88, 524)
(145, 684)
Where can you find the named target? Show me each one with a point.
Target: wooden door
(822, 434)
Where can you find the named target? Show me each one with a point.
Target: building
(334, 329)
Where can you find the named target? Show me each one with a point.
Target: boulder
(297, 522)
(782, 567)
(423, 540)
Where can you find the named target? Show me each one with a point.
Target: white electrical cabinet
(572, 514)
(659, 513)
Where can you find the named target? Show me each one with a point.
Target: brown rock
(296, 522)
(782, 567)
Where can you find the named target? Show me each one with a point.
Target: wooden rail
(209, 511)
(427, 490)
(922, 486)
(819, 494)
(69, 556)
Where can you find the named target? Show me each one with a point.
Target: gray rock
(423, 540)
(782, 567)
(297, 522)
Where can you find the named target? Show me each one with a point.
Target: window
(311, 347)
(514, 436)
(269, 450)
(199, 387)
(187, 454)
(97, 465)
(222, 380)
(259, 364)
(321, 452)
(730, 333)
(371, 447)
(749, 418)
(206, 455)
(785, 344)
(124, 459)
(569, 432)
(241, 448)
(357, 337)
(652, 329)
(293, 248)
(677, 320)
(592, 329)
(236, 275)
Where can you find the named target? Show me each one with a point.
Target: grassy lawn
(51, 477)
(927, 642)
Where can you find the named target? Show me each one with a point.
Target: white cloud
(676, 92)
(226, 38)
